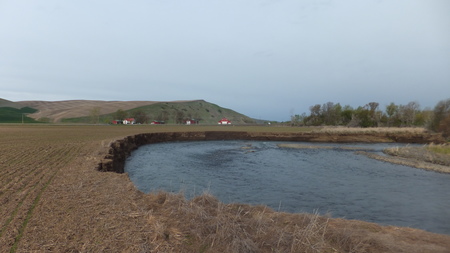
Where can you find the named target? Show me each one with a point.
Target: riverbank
(120, 150)
(416, 157)
(53, 199)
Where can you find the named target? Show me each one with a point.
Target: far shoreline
(414, 162)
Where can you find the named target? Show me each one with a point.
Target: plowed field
(52, 199)
(30, 159)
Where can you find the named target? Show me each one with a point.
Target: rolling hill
(175, 113)
(81, 111)
(55, 111)
(7, 103)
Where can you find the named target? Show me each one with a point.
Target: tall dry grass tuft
(311, 236)
(204, 224)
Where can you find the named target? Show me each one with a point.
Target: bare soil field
(53, 199)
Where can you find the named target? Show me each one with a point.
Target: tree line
(371, 115)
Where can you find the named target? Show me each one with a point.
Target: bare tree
(120, 114)
(374, 113)
(392, 114)
(140, 117)
(407, 113)
(163, 116)
(315, 116)
(179, 117)
(331, 113)
(94, 115)
(441, 116)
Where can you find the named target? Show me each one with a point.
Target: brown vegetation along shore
(52, 199)
(417, 157)
(415, 161)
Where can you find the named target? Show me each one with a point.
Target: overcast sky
(265, 58)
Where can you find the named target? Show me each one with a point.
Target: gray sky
(264, 58)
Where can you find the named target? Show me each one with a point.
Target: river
(332, 181)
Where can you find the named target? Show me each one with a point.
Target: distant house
(190, 121)
(117, 122)
(224, 121)
(129, 121)
(155, 122)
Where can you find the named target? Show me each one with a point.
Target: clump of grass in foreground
(204, 224)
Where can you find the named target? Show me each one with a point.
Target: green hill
(171, 113)
(14, 115)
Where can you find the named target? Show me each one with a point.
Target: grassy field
(52, 199)
(14, 115)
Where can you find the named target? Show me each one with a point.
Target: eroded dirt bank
(121, 149)
(174, 224)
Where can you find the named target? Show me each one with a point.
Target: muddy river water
(333, 181)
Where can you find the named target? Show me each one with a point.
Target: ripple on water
(332, 180)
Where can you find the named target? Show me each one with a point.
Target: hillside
(82, 111)
(55, 111)
(7, 103)
(176, 112)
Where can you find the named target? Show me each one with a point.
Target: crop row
(25, 173)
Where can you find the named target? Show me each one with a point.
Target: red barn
(224, 121)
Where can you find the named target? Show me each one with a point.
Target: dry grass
(304, 146)
(53, 200)
(440, 149)
(434, 154)
(371, 130)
